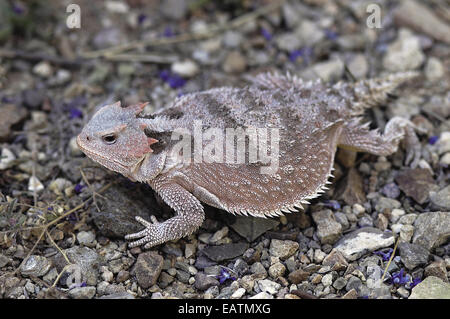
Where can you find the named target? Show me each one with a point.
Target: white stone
(327, 280)
(218, 235)
(85, 238)
(445, 160)
(269, 286)
(358, 210)
(73, 146)
(59, 185)
(108, 276)
(327, 71)
(117, 6)
(238, 293)
(396, 228)
(43, 69)
(443, 143)
(396, 214)
(186, 68)
(35, 185)
(406, 233)
(363, 240)
(262, 295)
(7, 159)
(434, 70)
(404, 53)
(319, 256)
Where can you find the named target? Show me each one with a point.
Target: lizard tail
(371, 92)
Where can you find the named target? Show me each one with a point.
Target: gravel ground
(381, 231)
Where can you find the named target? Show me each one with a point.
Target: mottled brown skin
(313, 120)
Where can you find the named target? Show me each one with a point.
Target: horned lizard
(312, 119)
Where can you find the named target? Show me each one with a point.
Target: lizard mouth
(102, 159)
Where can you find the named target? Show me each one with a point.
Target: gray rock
(434, 70)
(297, 276)
(290, 14)
(82, 292)
(407, 219)
(277, 270)
(269, 286)
(240, 267)
(328, 229)
(35, 266)
(385, 203)
(432, 229)
(174, 9)
(226, 292)
(358, 66)
(353, 283)
(331, 70)
(219, 235)
(352, 42)
(86, 261)
(309, 33)
(362, 241)
(119, 295)
(251, 228)
(437, 269)
(441, 199)
(118, 207)
(340, 283)
(365, 221)
(416, 15)
(234, 62)
(224, 252)
(327, 280)
(11, 114)
(416, 183)
(202, 262)
(148, 268)
(391, 190)
(350, 189)
(283, 248)
(203, 281)
(232, 39)
(431, 288)
(412, 255)
(108, 37)
(342, 219)
(288, 41)
(86, 238)
(4, 260)
(258, 269)
(183, 276)
(335, 260)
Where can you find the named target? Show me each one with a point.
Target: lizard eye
(109, 138)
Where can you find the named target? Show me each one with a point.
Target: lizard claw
(148, 236)
(413, 147)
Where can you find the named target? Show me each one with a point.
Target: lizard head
(115, 138)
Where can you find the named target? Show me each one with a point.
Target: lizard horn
(136, 108)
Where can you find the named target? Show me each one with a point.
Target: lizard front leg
(359, 138)
(190, 216)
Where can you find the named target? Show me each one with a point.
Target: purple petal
(75, 113)
(433, 139)
(332, 35)
(141, 18)
(266, 34)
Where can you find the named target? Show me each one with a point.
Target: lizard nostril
(87, 138)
